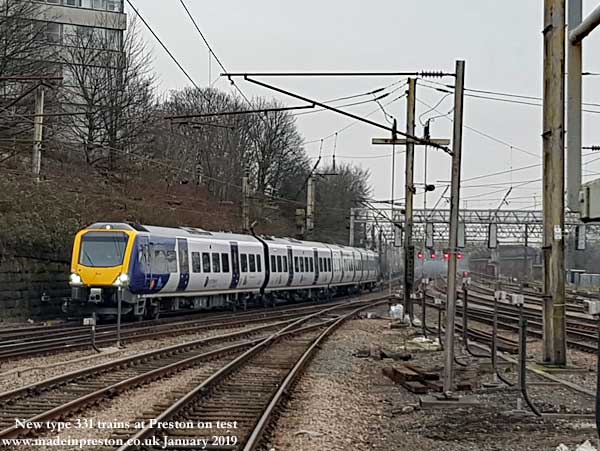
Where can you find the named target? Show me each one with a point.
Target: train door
(144, 260)
(290, 258)
(316, 257)
(235, 265)
(184, 265)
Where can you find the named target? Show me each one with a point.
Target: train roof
(195, 232)
(188, 232)
(294, 241)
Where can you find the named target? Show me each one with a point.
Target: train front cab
(100, 265)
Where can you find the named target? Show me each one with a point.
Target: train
(153, 269)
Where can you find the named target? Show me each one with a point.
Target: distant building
(103, 16)
(96, 26)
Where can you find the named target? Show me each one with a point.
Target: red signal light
(446, 256)
(433, 255)
(420, 255)
(459, 256)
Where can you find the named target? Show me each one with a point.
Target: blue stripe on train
(141, 278)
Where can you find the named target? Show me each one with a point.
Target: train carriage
(155, 269)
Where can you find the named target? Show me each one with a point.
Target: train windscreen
(103, 249)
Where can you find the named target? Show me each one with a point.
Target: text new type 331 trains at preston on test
(157, 269)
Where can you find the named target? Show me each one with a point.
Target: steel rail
(163, 357)
(228, 369)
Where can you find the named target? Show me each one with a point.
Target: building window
(53, 32)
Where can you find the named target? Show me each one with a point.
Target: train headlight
(75, 279)
(122, 280)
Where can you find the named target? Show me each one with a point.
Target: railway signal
(420, 255)
(433, 255)
(446, 255)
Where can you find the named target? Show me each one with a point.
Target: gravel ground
(71, 361)
(344, 402)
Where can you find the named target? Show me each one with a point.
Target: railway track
(59, 396)
(32, 342)
(245, 392)
(581, 332)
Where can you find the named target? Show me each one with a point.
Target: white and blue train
(157, 269)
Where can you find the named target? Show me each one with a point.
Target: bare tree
(26, 43)
(277, 153)
(336, 194)
(26, 51)
(209, 151)
(108, 92)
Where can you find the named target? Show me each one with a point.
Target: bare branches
(108, 81)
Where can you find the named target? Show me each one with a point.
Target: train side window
(205, 262)
(196, 262)
(225, 262)
(273, 265)
(258, 263)
(216, 262)
(301, 264)
(321, 264)
(312, 265)
(279, 265)
(285, 266)
(244, 262)
(329, 264)
(252, 262)
(306, 263)
(296, 266)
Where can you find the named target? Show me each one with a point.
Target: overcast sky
(500, 41)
